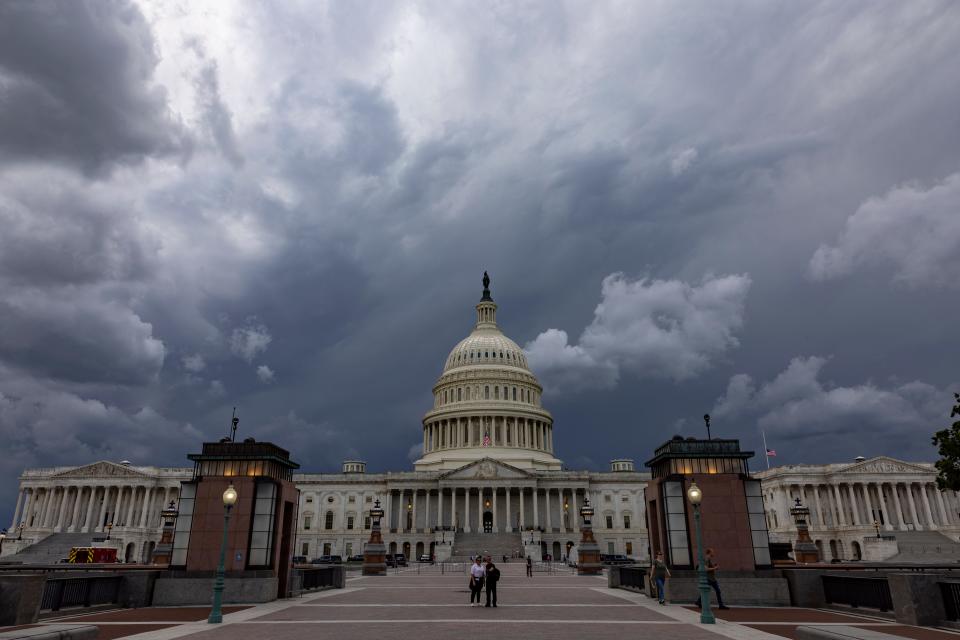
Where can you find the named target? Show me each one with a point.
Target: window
(758, 525)
(307, 521)
(328, 522)
(349, 522)
(459, 394)
(326, 548)
(330, 499)
(626, 521)
(609, 522)
(514, 394)
(677, 540)
(261, 530)
(366, 522)
(181, 538)
(629, 548)
(368, 499)
(606, 498)
(496, 393)
(352, 499)
(349, 549)
(309, 499)
(610, 548)
(486, 393)
(305, 549)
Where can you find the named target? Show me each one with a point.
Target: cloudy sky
(747, 208)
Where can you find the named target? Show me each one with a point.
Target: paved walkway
(409, 605)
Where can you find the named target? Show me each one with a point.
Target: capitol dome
(486, 403)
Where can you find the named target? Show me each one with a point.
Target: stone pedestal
(879, 549)
(531, 545)
(443, 545)
(804, 549)
(588, 553)
(375, 552)
(164, 549)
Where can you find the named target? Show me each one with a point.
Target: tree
(948, 441)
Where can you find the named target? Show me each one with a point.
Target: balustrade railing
(86, 591)
(856, 591)
(632, 577)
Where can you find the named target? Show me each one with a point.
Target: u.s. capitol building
(488, 480)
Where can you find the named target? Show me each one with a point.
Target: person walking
(529, 567)
(712, 568)
(492, 578)
(660, 572)
(477, 575)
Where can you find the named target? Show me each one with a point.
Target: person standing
(712, 568)
(529, 567)
(492, 577)
(477, 575)
(660, 572)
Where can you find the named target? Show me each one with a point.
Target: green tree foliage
(948, 440)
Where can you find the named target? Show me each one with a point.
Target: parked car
(400, 559)
(391, 560)
(322, 560)
(299, 560)
(336, 559)
(355, 558)
(425, 557)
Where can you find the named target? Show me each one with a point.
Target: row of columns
(503, 431)
(901, 505)
(463, 508)
(88, 508)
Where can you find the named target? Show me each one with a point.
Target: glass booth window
(261, 530)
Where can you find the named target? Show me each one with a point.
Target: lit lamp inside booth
(487, 503)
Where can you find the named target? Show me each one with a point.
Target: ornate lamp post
(695, 496)
(229, 499)
(804, 549)
(374, 552)
(876, 525)
(109, 529)
(588, 553)
(164, 550)
(20, 531)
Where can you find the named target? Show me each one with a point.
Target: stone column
(479, 508)
(28, 505)
(87, 523)
(884, 507)
(536, 508)
(549, 511)
(926, 506)
(440, 507)
(147, 499)
(60, 515)
(16, 512)
(45, 509)
(943, 509)
(103, 509)
(576, 511)
(133, 498)
(870, 516)
(426, 519)
(75, 517)
(523, 512)
(507, 513)
(836, 496)
(913, 507)
(496, 522)
(896, 501)
(854, 507)
(413, 517)
(816, 498)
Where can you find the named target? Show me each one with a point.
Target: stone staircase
(49, 550)
(496, 545)
(925, 547)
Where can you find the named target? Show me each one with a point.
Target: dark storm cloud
(76, 80)
(392, 153)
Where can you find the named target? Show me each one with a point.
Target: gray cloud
(77, 84)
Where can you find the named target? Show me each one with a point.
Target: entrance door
(487, 521)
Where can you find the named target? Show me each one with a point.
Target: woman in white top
(477, 575)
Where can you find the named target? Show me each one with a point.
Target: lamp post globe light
(229, 499)
(695, 496)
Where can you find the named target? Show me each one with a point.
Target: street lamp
(20, 531)
(109, 528)
(695, 496)
(229, 499)
(876, 525)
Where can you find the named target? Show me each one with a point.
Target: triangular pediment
(487, 469)
(885, 464)
(101, 469)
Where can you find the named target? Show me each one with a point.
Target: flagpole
(766, 452)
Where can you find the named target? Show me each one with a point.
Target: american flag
(486, 440)
(771, 453)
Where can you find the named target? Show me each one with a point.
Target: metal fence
(870, 593)
(86, 591)
(951, 600)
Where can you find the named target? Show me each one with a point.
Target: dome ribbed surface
(486, 347)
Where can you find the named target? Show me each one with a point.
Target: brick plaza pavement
(408, 605)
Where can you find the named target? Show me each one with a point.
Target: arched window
(501, 355)
(459, 394)
(486, 393)
(496, 393)
(328, 521)
(514, 394)
(468, 393)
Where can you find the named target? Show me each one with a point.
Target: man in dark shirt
(493, 576)
(712, 567)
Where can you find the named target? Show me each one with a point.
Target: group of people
(659, 572)
(483, 575)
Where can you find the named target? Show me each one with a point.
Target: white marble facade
(852, 501)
